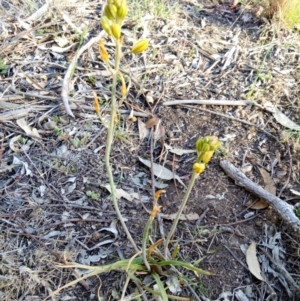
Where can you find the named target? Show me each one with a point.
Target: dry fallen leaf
(269, 186)
(280, 117)
(152, 122)
(159, 133)
(260, 204)
(120, 193)
(268, 181)
(143, 131)
(161, 171)
(252, 262)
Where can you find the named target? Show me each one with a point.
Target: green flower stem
(182, 205)
(110, 137)
(145, 240)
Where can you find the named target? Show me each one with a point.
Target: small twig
(236, 119)
(240, 221)
(236, 258)
(290, 171)
(209, 102)
(285, 210)
(201, 216)
(125, 285)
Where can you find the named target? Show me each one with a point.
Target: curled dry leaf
(149, 97)
(143, 131)
(280, 117)
(179, 151)
(161, 171)
(159, 133)
(27, 129)
(120, 193)
(252, 262)
(131, 117)
(62, 49)
(112, 229)
(13, 147)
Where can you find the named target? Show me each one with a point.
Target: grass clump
(288, 11)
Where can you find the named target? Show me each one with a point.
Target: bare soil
(53, 200)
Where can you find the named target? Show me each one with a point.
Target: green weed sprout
(205, 150)
(115, 12)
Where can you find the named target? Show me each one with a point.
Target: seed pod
(116, 30)
(105, 23)
(198, 167)
(140, 46)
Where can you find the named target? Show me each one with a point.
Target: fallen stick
(285, 210)
(209, 102)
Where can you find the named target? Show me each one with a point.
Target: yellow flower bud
(205, 157)
(116, 30)
(103, 52)
(110, 11)
(205, 147)
(198, 167)
(140, 46)
(122, 12)
(105, 23)
(199, 144)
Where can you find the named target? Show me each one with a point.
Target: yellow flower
(198, 167)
